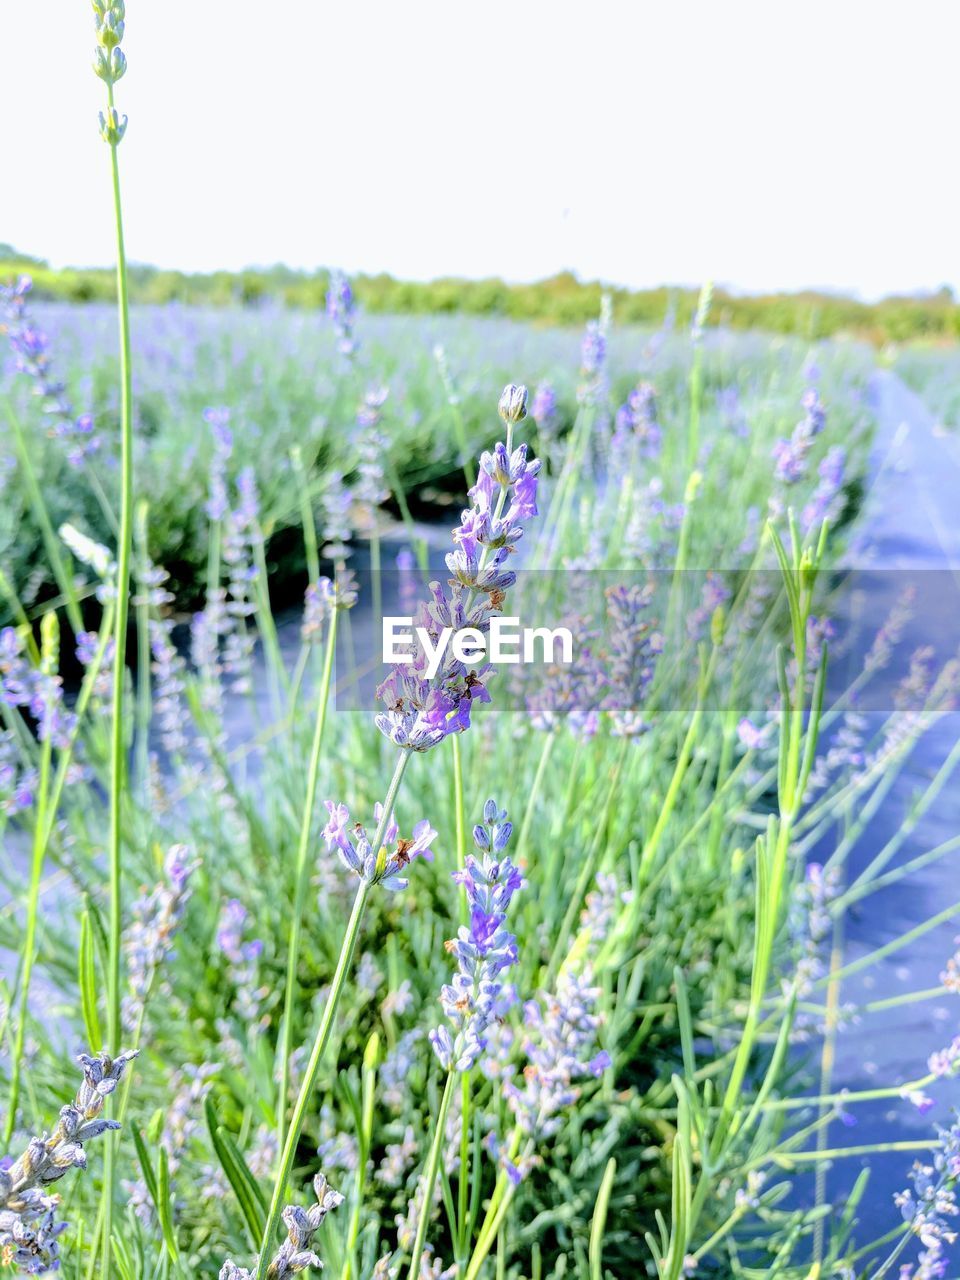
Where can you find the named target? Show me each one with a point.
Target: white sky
(765, 145)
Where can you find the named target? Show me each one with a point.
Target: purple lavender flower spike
(929, 1206)
(484, 948)
(420, 712)
(342, 312)
(560, 1048)
(31, 352)
(636, 424)
(790, 456)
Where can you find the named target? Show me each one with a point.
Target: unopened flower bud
(112, 126)
(513, 403)
(110, 29)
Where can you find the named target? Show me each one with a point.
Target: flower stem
(323, 1033)
(117, 761)
(430, 1177)
(303, 866)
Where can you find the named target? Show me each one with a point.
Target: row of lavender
(569, 1051)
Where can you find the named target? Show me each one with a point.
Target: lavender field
(637, 959)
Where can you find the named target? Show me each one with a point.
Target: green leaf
(164, 1212)
(146, 1167)
(249, 1196)
(87, 981)
(686, 1024)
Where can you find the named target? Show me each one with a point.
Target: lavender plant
(637, 970)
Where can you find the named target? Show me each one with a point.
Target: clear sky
(764, 145)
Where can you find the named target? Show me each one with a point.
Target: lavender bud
(112, 126)
(513, 403)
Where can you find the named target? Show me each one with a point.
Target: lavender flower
(569, 695)
(630, 658)
(168, 669)
(336, 504)
(218, 419)
(825, 501)
(950, 977)
(636, 422)
(28, 1219)
(17, 784)
(929, 1205)
(790, 456)
(421, 712)
(751, 737)
(562, 1035)
(156, 919)
(243, 957)
(396, 1068)
(31, 352)
(945, 1062)
(317, 608)
(342, 312)
(371, 491)
(543, 410)
(593, 389)
(810, 922)
(397, 1159)
(357, 854)
(484, 949)
(37, 689)
(296, 1253)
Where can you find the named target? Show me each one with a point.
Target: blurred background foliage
(560, 300)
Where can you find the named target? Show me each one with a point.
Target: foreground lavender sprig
(28, 1217)
(484, 948)
(296, 1252)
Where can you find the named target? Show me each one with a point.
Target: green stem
(430, 1176)
(460, 820)
(144, 702)
(117, 758)
(303, 875)
(534, 793)
(587, 871)
(323, 1034)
